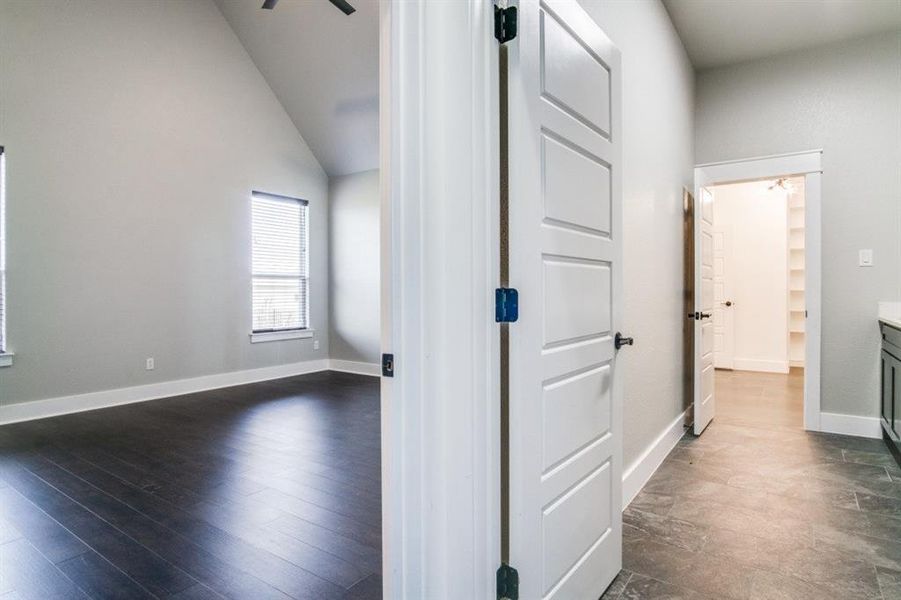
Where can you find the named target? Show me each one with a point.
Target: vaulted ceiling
(721, 32)
(323, 66)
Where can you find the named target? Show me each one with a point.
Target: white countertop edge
(896, 323)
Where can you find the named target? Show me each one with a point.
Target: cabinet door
(887, 388)
(896, 395)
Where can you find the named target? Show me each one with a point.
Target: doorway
(758, 313)
(758, 280)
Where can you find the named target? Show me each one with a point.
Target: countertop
(890, 314)
(896, 323)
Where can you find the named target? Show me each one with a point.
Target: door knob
(619, 341)
(727, 303)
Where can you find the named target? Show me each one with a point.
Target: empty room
(450, 300)
(189, 188)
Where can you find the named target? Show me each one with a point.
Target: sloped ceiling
(323, 66)
(722, 32)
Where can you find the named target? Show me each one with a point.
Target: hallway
(756, 508)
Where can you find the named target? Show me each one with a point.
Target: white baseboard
(39, 409)
(639, 472)
(763, 366)
(349, 366)
(868, 427)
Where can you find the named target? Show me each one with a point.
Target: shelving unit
(797, 319)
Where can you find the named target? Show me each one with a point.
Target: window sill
(276, 336)
(6, 359)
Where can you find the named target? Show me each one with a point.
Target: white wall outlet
(315, 344)
(149, 365)
(866, 258)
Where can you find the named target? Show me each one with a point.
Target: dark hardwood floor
(268, 490)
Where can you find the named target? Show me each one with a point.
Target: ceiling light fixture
(782, 184)
(342, 5)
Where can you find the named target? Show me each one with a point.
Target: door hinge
(387, 365)
(506, 305)
(507, 583)
(504, 23)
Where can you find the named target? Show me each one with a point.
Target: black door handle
(619, 341)
(699, 315)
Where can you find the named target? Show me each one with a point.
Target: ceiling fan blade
(343, 5)
(270, 4)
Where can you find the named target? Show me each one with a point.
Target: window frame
(275, 334)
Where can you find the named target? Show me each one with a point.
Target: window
(279, 265)
(4, 361)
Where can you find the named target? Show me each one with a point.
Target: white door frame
(809, 165)
(439, 268)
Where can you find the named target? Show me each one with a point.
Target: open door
(723, 306)
(565, 247)
(704, 397)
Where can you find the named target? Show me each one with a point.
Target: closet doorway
(757, 278)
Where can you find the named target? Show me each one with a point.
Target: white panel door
(704, 400)
(565, 259)
(723, 306)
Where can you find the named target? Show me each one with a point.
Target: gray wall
(135, 132)
(658, 161)
(354, 332)
(844, 99)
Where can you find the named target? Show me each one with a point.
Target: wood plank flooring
(758, 509)
(269, 490)
(272, 490)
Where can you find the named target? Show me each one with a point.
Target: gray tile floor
(758, 509)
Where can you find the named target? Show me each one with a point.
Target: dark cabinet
(888, 389)
(890, 404)
(896, 398)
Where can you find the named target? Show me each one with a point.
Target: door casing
(439, 239)
(809, 165)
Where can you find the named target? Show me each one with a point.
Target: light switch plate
(866, 258)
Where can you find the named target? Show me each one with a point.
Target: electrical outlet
(149, 366)
(315, 344)
(865, 258)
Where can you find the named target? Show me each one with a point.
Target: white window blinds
(2, 250)
(280, 265)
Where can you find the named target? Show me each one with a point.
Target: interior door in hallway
(723, 306)
(565, 244)
(704, 400)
